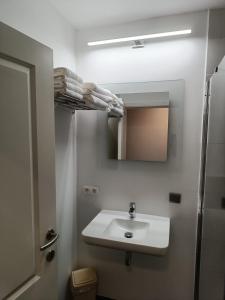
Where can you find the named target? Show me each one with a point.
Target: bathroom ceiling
(89, 13)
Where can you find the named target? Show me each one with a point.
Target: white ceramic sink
(114, 229)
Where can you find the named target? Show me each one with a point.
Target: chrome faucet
(132, 210)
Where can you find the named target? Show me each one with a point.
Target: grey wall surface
(148, 184)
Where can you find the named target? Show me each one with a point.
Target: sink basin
(114, 229)
(119, 227)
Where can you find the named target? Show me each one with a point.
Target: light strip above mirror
(141, 37)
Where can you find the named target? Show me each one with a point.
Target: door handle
(51, 237)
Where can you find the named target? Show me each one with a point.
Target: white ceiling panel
(89, 13)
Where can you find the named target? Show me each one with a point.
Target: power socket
(90, 189)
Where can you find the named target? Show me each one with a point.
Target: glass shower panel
(212, 264)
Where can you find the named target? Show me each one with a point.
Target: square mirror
(151, 128)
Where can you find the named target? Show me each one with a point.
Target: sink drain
(128, 235)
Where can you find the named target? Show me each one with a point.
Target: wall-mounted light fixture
(138, 45)
(141, 37)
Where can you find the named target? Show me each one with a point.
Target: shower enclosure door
(212, 260)
(27, 176)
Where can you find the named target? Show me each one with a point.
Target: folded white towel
(68, 85)
(67, 72)
(94, 87)
(67, 79)
(119, 101)
(116, 112)
(69, 93)
(94, 102)
(107, 99)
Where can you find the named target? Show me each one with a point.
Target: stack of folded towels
(102, 99)
(68, 83)
(71, 86)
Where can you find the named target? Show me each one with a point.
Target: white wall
(39, 20)
(148, 184)
(66, 174)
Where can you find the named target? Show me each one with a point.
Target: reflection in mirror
(151, 140)
(142, 134)
(146, 131)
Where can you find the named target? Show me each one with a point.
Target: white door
(27, 176)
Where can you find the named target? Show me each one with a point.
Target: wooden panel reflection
(143, 134)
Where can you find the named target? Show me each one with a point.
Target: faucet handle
(132, 210)
(132, 204)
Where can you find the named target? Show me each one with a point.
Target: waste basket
(84, 284)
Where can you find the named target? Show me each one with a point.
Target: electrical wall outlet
(175, 198)
(90, 189)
